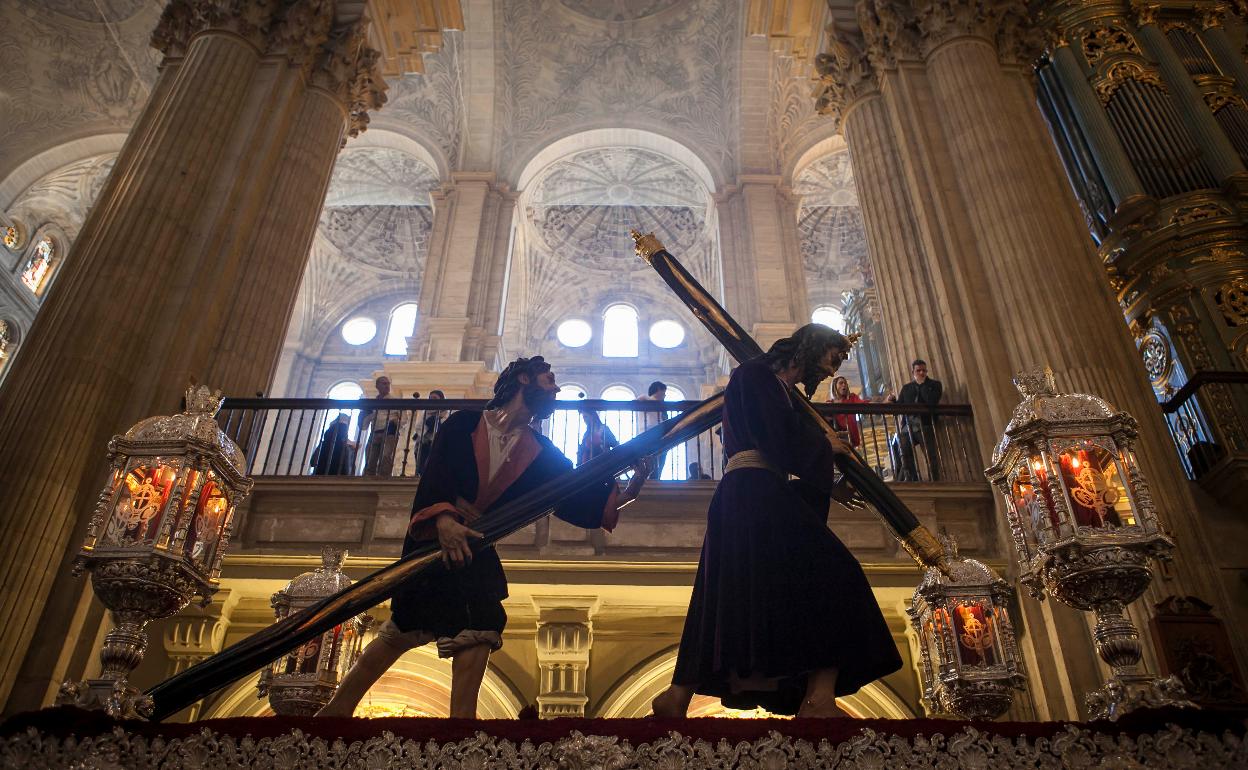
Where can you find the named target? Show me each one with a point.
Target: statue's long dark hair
(806, 348)
(508, 383)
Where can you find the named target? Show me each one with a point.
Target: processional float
(254, 652)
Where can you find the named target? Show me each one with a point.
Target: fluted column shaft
(1042, 269)
(895, 245)
(186, 267)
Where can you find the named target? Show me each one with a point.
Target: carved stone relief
(432, 103)
(557, 70)
(831, 234)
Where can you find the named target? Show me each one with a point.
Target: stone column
(458, 341)
(565, 635)
(186, 267)
(1042, 273)
(758, 226)
(908, 302)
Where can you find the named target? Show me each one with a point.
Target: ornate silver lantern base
(300, 699)
(978, 700)
(1118, 643)
(1127, 692)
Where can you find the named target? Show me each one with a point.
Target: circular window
(574, 333)
(359, 330)
(828, 316)
(667, 334)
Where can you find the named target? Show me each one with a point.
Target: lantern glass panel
(1033, 502)
(207, 521)
(140, 503)
(1094, 488)
(975, 631)
(937, 629)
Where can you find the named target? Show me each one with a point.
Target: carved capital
(335, 56)
(1211, 14)
(1145, 12)
(890, 31)
(1004, 23)
(846, 73)
(350, 69)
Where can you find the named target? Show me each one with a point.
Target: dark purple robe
(777, 596)
(447, 601)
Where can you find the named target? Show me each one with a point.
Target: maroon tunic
(777, 595)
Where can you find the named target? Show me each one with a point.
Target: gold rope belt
(750, 458)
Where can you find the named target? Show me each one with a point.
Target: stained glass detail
(10, 237)
(38, 266)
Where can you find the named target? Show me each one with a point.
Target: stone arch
(397, 137)
(418, 684)
(50, 161)
(821, 143)
(630, 697)
(600, 138)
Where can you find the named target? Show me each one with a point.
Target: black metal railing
(1206, 419)
(390, 438)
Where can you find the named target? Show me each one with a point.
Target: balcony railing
(390, 438)
(1206, 418)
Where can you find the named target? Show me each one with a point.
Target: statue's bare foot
(669, 704)
(822, 709)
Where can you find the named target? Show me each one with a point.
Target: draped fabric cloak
(777, 595)
(440, 599)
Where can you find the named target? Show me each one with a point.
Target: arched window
(35, 274)
(567, 425)
(347, 390)
(574, 333)
(623, 423)
(828, 316)
(666, 334)
(619, 333)
(618, 393)
(359, 330)
(402, 326)
(6, 342)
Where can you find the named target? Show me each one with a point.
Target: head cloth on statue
(806, 348)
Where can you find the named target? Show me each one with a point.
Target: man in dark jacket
(479, 462)
(912, 430)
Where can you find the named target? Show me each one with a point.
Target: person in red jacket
(846, 423)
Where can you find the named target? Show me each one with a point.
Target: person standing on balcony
(656, 392)
(846, 423)
(383, 435)
(782, 616)
(433, 421)
(916, 431)
(597, 439)
(479, 462)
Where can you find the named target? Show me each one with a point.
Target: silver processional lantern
(1084, 526)
(157, 537)
(969, 659)
(302, 681)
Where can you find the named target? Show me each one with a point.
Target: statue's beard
(539, 401)
(813, 376)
